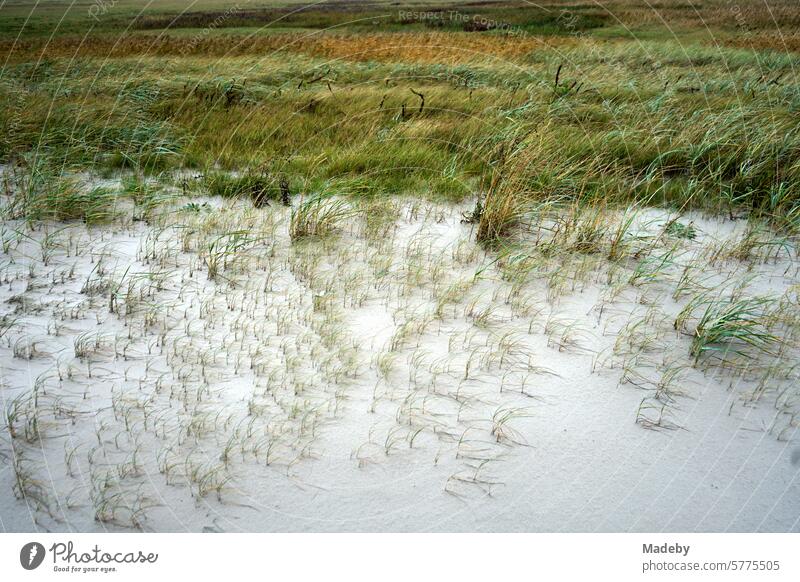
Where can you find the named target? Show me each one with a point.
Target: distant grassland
(614, 16)
(663, 103)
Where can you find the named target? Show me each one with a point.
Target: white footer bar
(400, 557)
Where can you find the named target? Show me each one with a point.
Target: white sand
(245, 404)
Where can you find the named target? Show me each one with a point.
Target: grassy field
(577, 102)
(263, 242)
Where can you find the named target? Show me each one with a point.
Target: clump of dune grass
(589, 228)
(318, 216)
(39, 193)
(503, 206)
(732, 324)
(147, 196)
(500, 214)
(758, 243)
(261, 188)
(655, 415)
(621, 233)
(677, 229)
(224, 249)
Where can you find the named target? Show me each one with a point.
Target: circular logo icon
(31, 555)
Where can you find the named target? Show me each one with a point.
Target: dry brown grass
(421, 47)
(781, 42)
